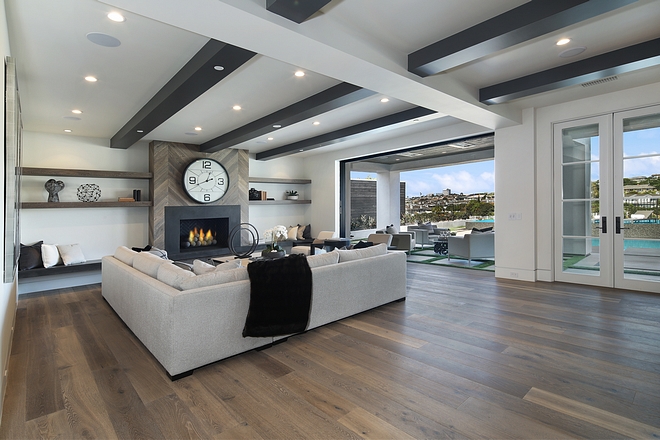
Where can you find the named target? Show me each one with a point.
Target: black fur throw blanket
(280, 296)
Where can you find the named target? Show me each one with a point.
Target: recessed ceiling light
(219, 67)
(102, 39)
(198, 128)
(140, 131)
(385, 100)
(301, 150)
(236, 107)
(563, 41)
(67, 131)
(316, 123)
(77, 112)
(90, 79)
(277, 126)
(270, 139)
(299, 73)
(116, 16)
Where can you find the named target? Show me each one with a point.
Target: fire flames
(200, 238)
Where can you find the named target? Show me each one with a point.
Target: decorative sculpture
(53, 187)
(245, 230)
(89, 192)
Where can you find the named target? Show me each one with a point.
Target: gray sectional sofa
(187, 321)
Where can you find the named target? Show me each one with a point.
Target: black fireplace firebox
(199, 231)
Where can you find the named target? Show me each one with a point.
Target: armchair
(380, 238)
(404, 241)
(472, 246)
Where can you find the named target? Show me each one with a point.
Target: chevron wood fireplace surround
(167, 161)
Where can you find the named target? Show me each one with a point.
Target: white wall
(8, 291)
(266, 216)
(98, 230)
(515, 213)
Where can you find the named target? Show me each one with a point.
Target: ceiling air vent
(600, 81)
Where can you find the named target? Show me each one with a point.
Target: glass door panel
(637, 199)
(582, 215)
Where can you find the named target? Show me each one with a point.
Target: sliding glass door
(607, 193)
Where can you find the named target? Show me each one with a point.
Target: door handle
(617, 222)
(603, 221)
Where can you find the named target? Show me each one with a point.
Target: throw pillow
(323, 259)
(307, 232)
(71, 254)
(292, 233)
(173, 275)
(362, 244)
(148, 263)
(215, 278)
(357, 254)
(228, 265)
(299, 235)
(125, 255)
(30, 257)
(200, 267)
(390, 230)
(50, 255)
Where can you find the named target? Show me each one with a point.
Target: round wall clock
(205, 180)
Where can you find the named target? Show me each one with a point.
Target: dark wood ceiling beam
(323, 102)
(343, 134)
(617, 62)
(528, 21)
(295, 10)
(194, 79)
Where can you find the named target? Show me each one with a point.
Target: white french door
(607, 200)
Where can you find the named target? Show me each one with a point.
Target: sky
(465, 178)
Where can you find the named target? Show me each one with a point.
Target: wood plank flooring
(465, 356)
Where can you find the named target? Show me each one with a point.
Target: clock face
(205, 180)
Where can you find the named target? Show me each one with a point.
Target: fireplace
(199, 231)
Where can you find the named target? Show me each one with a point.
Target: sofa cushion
(71, 254)
(201, 267)
(30, 257)
(215, 278)
(307, 232)
(173, 275)
(50, 255)
(125, 255)
(148, 263)
(324, 259)
(356, 254)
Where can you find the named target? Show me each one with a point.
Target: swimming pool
(633, 243)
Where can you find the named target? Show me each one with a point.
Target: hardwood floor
(466, 356)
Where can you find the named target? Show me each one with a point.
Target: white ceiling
(363, 42)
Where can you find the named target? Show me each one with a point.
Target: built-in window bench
(55, 277)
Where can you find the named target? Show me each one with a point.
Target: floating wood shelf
(279, 181)
(26, 171)
(280, 202)
(56, 205)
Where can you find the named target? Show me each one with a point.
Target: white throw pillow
(71, 254)
(50, 255)
(215, 278)
(325, 259)
(229, 265)
(292, 233)
(357, 254)
(148, 263)
(173, 275)
(125, 255)
(200, 267)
